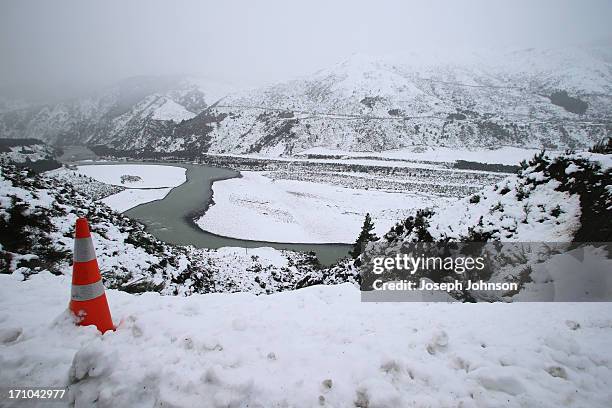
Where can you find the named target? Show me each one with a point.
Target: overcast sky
(62, 47)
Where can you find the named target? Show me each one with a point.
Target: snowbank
(259, 208)
(151, 175)
(318, 346)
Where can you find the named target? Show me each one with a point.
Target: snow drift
(318, 346)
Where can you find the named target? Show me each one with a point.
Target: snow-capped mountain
(138, 109)
(527, 98)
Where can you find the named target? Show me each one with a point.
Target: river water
(171, 219)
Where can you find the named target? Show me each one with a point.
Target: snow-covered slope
(551, 203)
(561, 199)
(367, 104)
(171, 110)
(526, 98)
(32, 153)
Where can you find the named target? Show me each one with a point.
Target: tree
(365, 236)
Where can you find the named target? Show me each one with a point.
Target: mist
(66, 48)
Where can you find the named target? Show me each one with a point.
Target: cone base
(93, 312)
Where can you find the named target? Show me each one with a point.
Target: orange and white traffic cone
(88, 300)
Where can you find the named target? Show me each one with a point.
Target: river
(171, 219)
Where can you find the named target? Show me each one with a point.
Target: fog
(60, 48)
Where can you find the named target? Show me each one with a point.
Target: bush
(604, 146)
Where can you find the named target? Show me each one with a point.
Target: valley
(271, 201)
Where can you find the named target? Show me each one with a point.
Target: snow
(152, 175)
(156, 181)
(32, 152)
(529, 221)
(572, 168)
(311, 347)
(133, 197)
(171, 110)
(604, 160)
(577, 276)
(257, 207)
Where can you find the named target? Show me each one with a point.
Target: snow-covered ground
(503, 155)
(32, 152)
(133, 197)
(156, 181)
(259, 208)
(318, 346)
(151, 175)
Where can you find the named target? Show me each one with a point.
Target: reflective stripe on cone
(83, 250)
(87, 292)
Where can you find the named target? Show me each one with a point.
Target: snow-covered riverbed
(260, 208)
(149, 182)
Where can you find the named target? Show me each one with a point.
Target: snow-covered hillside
(316, 346)
(565, 199)
(139, 109)
(374, 104)
(31, 153)
(561, 199)
(526, 98)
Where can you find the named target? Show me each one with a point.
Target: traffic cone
(88, 300)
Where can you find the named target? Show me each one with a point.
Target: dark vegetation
(25, 229)
(604, 146)
(370, 101)
(456, 116)
(366, 235)
(40, 166)
(570, 104)
(587, 179)
(5, 143)
(493, 167)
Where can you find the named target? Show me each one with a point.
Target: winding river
(171, 219)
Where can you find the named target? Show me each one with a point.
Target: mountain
(527, 98)
(137, 109)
